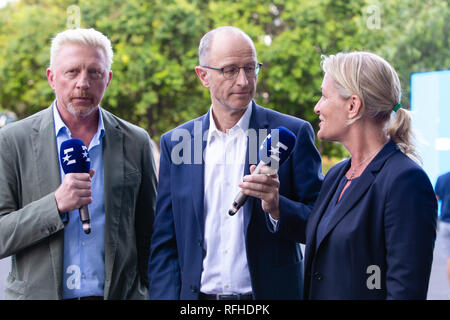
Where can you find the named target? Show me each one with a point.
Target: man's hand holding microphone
(75, 190)
(263, 182)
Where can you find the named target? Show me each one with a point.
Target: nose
(317, 107)
(83, 81)
(241, 78)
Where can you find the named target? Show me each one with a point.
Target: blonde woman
(372, 231)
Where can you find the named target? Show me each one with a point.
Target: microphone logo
(86, 154)
(67, 155)
(275, 152)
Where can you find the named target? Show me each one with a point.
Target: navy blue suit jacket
(388, 222)
(274, 259)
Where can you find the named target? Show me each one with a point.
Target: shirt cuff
(64, 217)
(274, 222)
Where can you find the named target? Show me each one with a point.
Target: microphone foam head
(74, 157)
(277, 146)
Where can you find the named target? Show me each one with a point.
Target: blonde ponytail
(399, 129)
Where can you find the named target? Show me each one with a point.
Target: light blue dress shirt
(84, 254)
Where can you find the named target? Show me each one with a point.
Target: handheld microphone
(274, 150)
(75, 159)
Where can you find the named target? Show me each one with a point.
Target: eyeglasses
(231, 72)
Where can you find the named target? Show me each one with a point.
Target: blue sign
(430, 106)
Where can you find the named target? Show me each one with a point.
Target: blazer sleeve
(145, 209)
(22, 226)
(305, 182)
(164, 270)
(410, 232)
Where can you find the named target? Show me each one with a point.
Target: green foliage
(413, 36)
(155, 45)
(155, 55)
(24, 56)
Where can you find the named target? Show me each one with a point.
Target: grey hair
(87, 37)
(207, 40)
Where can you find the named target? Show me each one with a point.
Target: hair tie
(397, 106)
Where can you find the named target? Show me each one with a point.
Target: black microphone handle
(241, 198)
(85, 219)
(237, 203)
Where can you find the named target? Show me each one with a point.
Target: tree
(412, 35)
(24, 51)
(155, 46)
(155, 43)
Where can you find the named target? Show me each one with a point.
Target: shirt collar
(61, 128)
(242, 124)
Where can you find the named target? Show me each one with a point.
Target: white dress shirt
(225, 267)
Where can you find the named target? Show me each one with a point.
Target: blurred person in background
(6, 117)
(442, 190)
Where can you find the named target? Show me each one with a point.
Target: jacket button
(318, 276)
(194, 289)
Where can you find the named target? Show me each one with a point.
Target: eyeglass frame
(258, 66)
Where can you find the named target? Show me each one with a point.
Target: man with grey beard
(39, 224)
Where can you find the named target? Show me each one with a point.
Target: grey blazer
(31, 229)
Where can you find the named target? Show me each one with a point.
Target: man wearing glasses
(198, 250)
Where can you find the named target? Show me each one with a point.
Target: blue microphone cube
(74, 157)
(277, 146)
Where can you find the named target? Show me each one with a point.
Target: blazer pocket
(133, 174)
(130, 190)
(14, 288)
(132, 181)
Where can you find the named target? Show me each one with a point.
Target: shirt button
(318, 276)
(83, 276)
(83, 243)
(226, 286)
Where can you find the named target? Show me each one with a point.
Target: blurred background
(155, 44)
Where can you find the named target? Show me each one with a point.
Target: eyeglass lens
(232, 71)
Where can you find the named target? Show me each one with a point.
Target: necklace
(352, 174)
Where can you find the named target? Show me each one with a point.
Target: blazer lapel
(364, 183)
(322, 204)
(258, 120)
(49, 178)
(197, 168)
(113, 161)
(44, 147)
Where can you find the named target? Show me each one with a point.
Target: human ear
(354, 106)
(50, 78)
(202, 75)
(110, 74)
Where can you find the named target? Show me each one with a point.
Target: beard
(80, 111)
